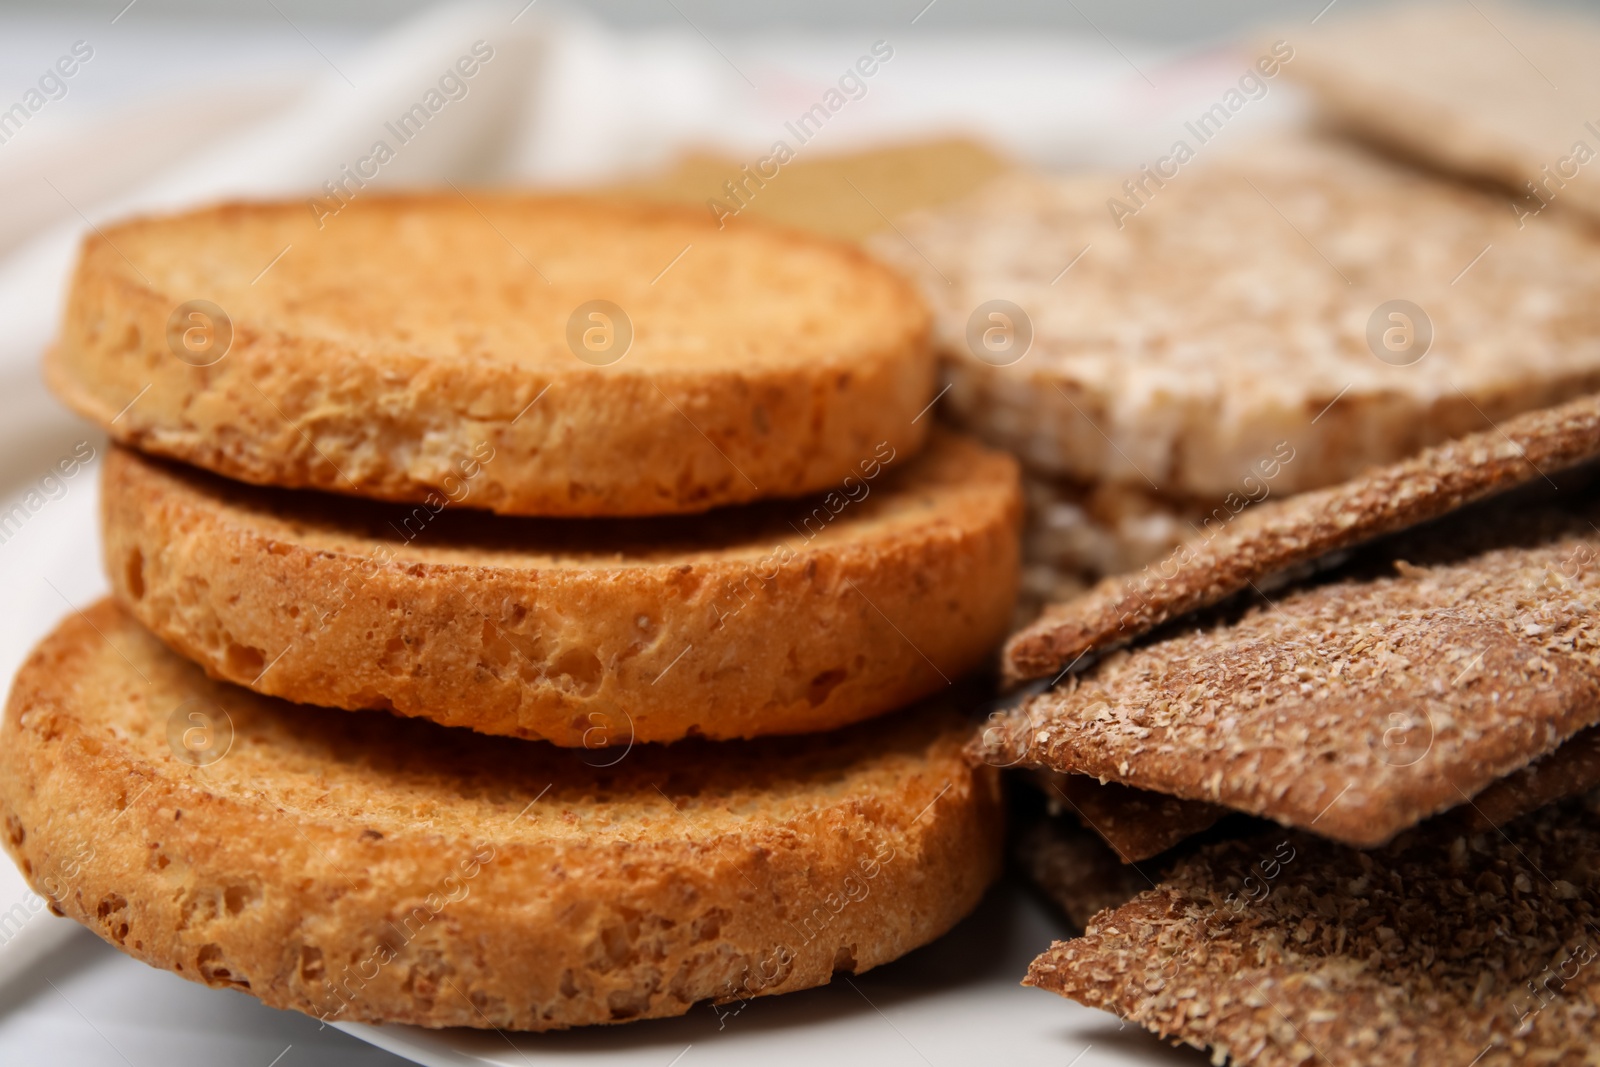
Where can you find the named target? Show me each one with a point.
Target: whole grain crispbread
(1136, 823)
(779, 617)
(1283, 950)
(1272, 537)
(1510, 93)
(1234, 315)
(1357, 707)
(1077, 871)
(614, 358)
(1571, 770)
(360, 867)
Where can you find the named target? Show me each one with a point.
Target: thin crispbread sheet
(1397, 689)
(1285, 949)
(1511, 94)
(1570, 770)
(1085, 869)
(1274, 536)
(1136, 823)
(1077, 871)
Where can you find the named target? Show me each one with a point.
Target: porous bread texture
(410, 338)
(1263, 541)
(363, 868)
(1074, 535)
(1362, 705)
(1282, 950)
(780, 617)
(1187, 346)
(1494, 91)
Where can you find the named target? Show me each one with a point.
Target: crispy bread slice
(1489, 90)
(1288, 950)
(1256, 543)
(404, 338)
(359, 867)
(1360, 706)
(781, 617)
(1225, 326)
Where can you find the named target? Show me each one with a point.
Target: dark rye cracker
(1136, 823)
(1274, 536)
(1357, 707)
(1569, 771)
(1085, 869)
(1284, 949)
(1077, 871)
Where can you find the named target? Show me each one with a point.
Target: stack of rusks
(527, 613)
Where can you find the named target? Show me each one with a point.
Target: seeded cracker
(1077, 871)
(1136, 823)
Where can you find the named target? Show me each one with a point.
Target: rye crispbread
(1134, 825)
(1229, 317)
(1137, 824)
(1254, 544)
(360, 867)
(1279, 950)
(396, 341)
(1361, 705)
(1485, 89)
(1077, 870)
(1074, 535)
(1571, 770)
(778, 617)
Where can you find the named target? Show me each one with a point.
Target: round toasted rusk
(778, 617)
(612, 359)
(361, 867)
